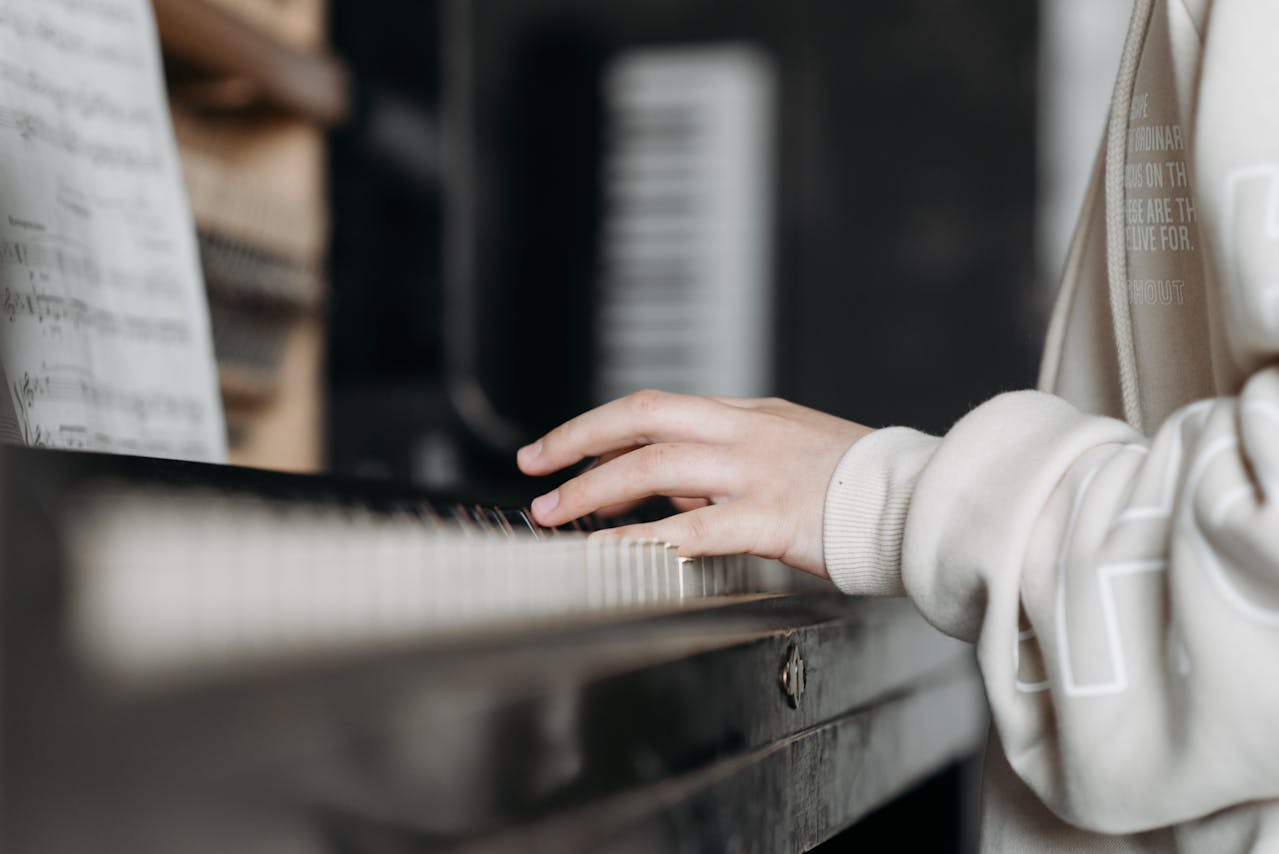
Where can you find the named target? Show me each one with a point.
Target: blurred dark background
(470, 271)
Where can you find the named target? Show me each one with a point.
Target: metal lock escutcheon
(792, 676)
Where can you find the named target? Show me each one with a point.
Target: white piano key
(167, 583)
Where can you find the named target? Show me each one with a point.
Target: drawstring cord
(1116, 245)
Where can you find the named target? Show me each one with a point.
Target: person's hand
(750, 475)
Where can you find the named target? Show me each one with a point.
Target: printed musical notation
(154, 412)
(33, 390)
(109, 14)
(36, 256)
(104, 329)
(82, 104)
(66, 109)
(30, 126)
(75, 265)
(77, 437)
(63, 313)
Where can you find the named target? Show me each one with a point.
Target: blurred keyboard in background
(686, 296)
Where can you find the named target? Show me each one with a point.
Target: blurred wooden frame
(251, 90)
(309, 83)
(284, 432)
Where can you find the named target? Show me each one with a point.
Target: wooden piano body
(740, 721)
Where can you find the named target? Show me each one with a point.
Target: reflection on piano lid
(172, 581)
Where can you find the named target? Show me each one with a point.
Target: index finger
(642, 418)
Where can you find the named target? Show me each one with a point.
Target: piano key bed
(168, 578)
(208, 659)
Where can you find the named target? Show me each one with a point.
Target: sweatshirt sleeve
(1123, 594)
(1122, 590)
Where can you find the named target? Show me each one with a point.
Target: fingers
(643, 418)
(620, 509)
(683, 505)
(666, 469)
(720, 529)
(679, 503)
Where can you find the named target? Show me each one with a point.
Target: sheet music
(104, 327)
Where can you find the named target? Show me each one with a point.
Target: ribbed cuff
(866, 505)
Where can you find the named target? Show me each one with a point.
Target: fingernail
(528, 453)
(544, 504)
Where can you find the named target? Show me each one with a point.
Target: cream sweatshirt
(1111, 543)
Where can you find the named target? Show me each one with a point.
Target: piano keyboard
(685, 300)
(170, 581)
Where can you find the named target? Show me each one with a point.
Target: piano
(209, 659)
